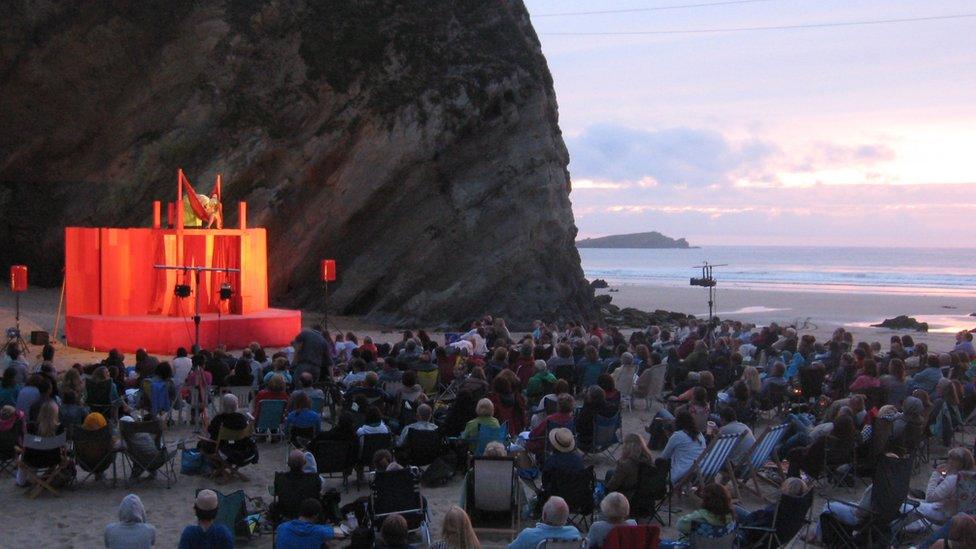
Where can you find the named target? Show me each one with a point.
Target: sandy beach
(78, 518)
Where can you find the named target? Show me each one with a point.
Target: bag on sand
(439, 472)
(192, 462)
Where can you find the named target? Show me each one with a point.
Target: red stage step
(163, 334)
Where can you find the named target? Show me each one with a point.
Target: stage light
(706, 282)
(226, 291)
(18, 278)
(182, 290)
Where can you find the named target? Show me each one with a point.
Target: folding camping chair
(428, 381)
(39, 473)
(369, 445)
(162, 461)
(10, 440)
(789, 517)
(422, 447)
(576, 487)
(334, 459)
(606, 436)
(627, 536)
(710, 462)
(494, 495)
(760, 454)
(290, 490)
(98, 398)
(489, 434)
(232, 513)
(655, 389)
(398, 492)
(653, 491)
(840, 462)
(885, 518)
(268, 423)
(224, 456)
(94, 451)
(244, 395)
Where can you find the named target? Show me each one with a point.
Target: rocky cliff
(416, 142)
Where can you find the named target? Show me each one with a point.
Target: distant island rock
(652, 239)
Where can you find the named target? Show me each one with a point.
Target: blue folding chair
(759, 455)
(490, 434)
(269, 421)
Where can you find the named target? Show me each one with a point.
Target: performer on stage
(214, 214)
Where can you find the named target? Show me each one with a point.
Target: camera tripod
(14, 339)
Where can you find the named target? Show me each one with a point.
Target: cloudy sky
(840, 135)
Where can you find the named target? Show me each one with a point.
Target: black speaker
(40, 338)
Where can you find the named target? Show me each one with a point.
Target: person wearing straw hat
(564, 456)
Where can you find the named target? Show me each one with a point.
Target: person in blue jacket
(303, 533)
(206, 534)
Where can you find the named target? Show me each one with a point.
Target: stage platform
(163, 334)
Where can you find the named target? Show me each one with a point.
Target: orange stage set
(117, 297)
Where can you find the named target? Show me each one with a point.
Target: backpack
(439, 472)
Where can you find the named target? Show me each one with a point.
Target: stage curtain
(226, 254)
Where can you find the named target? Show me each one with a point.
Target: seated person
(206, 533)
(279, 367)
(356, 375)
(732, 426)
(565, 406)
(304, 532)
(541, 381)
(958, 533)
(394, 532)
(72, 413)
(763, 518)
(716, 510)
(374, 423)
(564, 456)
(615, 509)
(47, 425)
(302, 416)
(774, 384)
(555, 513)
(274, 391)
(369, 389)
(305, 382)
(626, 477)
(594, 405)
(509, 403)
(242, 376)
(485, 411)
(424, 413)
(388, 372)
(142, 446)
(684, 446)
(548, 403)
(383, 460)
(344, 430)
(940, 494)
(132, 530)
(411, 391)
(241, 451)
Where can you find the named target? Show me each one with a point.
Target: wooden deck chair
(710, 462)
(40, 476)
(494, 497)
(268, 422)
(760, 454)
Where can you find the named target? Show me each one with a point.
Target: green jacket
(537, 384)
(701, 515)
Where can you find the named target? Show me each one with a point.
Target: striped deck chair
(710, 462)
(759, 455)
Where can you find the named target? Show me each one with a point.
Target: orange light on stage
(328, 270)
(18, 278)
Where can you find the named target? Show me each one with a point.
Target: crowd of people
(550, 388)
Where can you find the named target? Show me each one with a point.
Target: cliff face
(415, 142)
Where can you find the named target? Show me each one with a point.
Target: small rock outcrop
(416, 143)
(652, 240)
(903, 322)
(599, 284)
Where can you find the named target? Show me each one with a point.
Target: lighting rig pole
(707, 281)
(183, 290)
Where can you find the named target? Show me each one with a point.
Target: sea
(919, 271)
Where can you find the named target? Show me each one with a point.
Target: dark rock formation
(602, 300)
(635, 318)
(599, 284)
(652, 239)
(416, 143)
(903, 322)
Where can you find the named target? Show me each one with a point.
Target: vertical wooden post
(157, 214)
(242, 215)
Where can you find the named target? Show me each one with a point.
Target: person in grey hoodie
(132, 531)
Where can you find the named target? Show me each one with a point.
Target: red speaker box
(18, 278)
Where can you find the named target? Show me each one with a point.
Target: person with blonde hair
(626, 477)
(940, 494)
(457, 531)
(751, 376)
(485, 411)
(615, 508)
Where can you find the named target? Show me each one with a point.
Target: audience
(457, 531)
(555, 513)
(206, 534)
(615, 509)
(131, 531)
(305, 532)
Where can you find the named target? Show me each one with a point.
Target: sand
(77, 519)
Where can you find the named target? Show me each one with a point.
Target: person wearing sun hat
(206, 534)
(564, 456)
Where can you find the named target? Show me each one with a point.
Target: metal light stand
(15, 339)
(197, 272)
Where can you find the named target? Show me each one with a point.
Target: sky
(860, 135)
